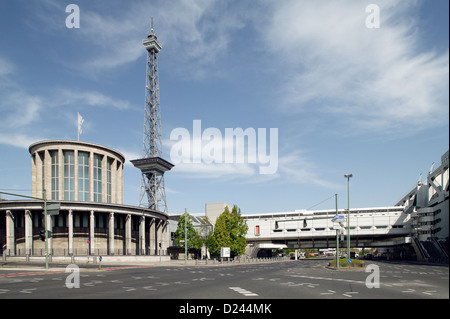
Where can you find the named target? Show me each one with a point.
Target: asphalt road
(256, 283)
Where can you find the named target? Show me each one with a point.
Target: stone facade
(87, 181)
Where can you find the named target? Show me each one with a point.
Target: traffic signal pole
(45, 218)
(337, 236)
(45, 227)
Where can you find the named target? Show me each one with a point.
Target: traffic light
(304, 223)
(276, 225)
(42, 234)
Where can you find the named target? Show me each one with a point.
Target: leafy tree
(193, 238)
(229, 231)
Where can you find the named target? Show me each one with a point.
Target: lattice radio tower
(152, 165)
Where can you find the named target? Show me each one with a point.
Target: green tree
(229, 231)
(193, 238)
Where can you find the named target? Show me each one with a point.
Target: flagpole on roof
(80, 123)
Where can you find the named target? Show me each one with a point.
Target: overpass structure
(369, 227)
(418, 225)
(415, 227)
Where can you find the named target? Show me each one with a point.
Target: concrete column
(34, 177)
(111, 234)
(165, 236)
(48, 174)
(127, 234)
(75, 176)
(104, 179)
(92, 232)
(70, 226)
(28, 232)
(39, 183)
(61, 174)
(113, 180)
(152, 236)
(10, 241)
(159, 227)
(142, 235)
(91, 176)
(119, 190)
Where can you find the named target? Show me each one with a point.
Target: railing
(82, 252)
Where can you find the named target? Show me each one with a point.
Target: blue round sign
(349, 261)
(100, 258)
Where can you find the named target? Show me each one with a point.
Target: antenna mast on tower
(152, 165)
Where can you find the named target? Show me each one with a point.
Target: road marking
(243, 291)
(330, 292)
(429, 292)
(27, 291)
(149, 288)
(409, 290)
(162, 283)
(129, 288)
(202, 279)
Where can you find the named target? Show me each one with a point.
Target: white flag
(80, 123)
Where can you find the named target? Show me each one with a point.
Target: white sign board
(225, 252)
(53, 209)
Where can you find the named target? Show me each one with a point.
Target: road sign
(349, 261)
(225, 252)
(338, 217)
(53, 209)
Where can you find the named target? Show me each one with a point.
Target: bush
(345, 263)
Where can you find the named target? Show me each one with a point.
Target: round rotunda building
(86, 180)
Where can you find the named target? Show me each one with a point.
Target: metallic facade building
(152, 165)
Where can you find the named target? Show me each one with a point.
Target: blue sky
(344, 98)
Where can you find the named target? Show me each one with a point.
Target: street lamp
(348, 176)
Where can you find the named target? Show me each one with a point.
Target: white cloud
(88, 98)
(374, 77)
(18, 140)
(6, 67)
(292, 166)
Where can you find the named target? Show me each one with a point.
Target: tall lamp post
(348, 176)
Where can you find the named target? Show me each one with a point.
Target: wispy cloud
(88, 98)
(22, 113)
(292, 166)
(370, 78)
(194, 33)
(6, 67)
(18, 140)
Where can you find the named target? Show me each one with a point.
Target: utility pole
(337, 236)
(185, 238)
(348, 176)
(44, 193)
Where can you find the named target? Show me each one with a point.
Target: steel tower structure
(152, 165)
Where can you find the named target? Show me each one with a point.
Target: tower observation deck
(152, 165)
